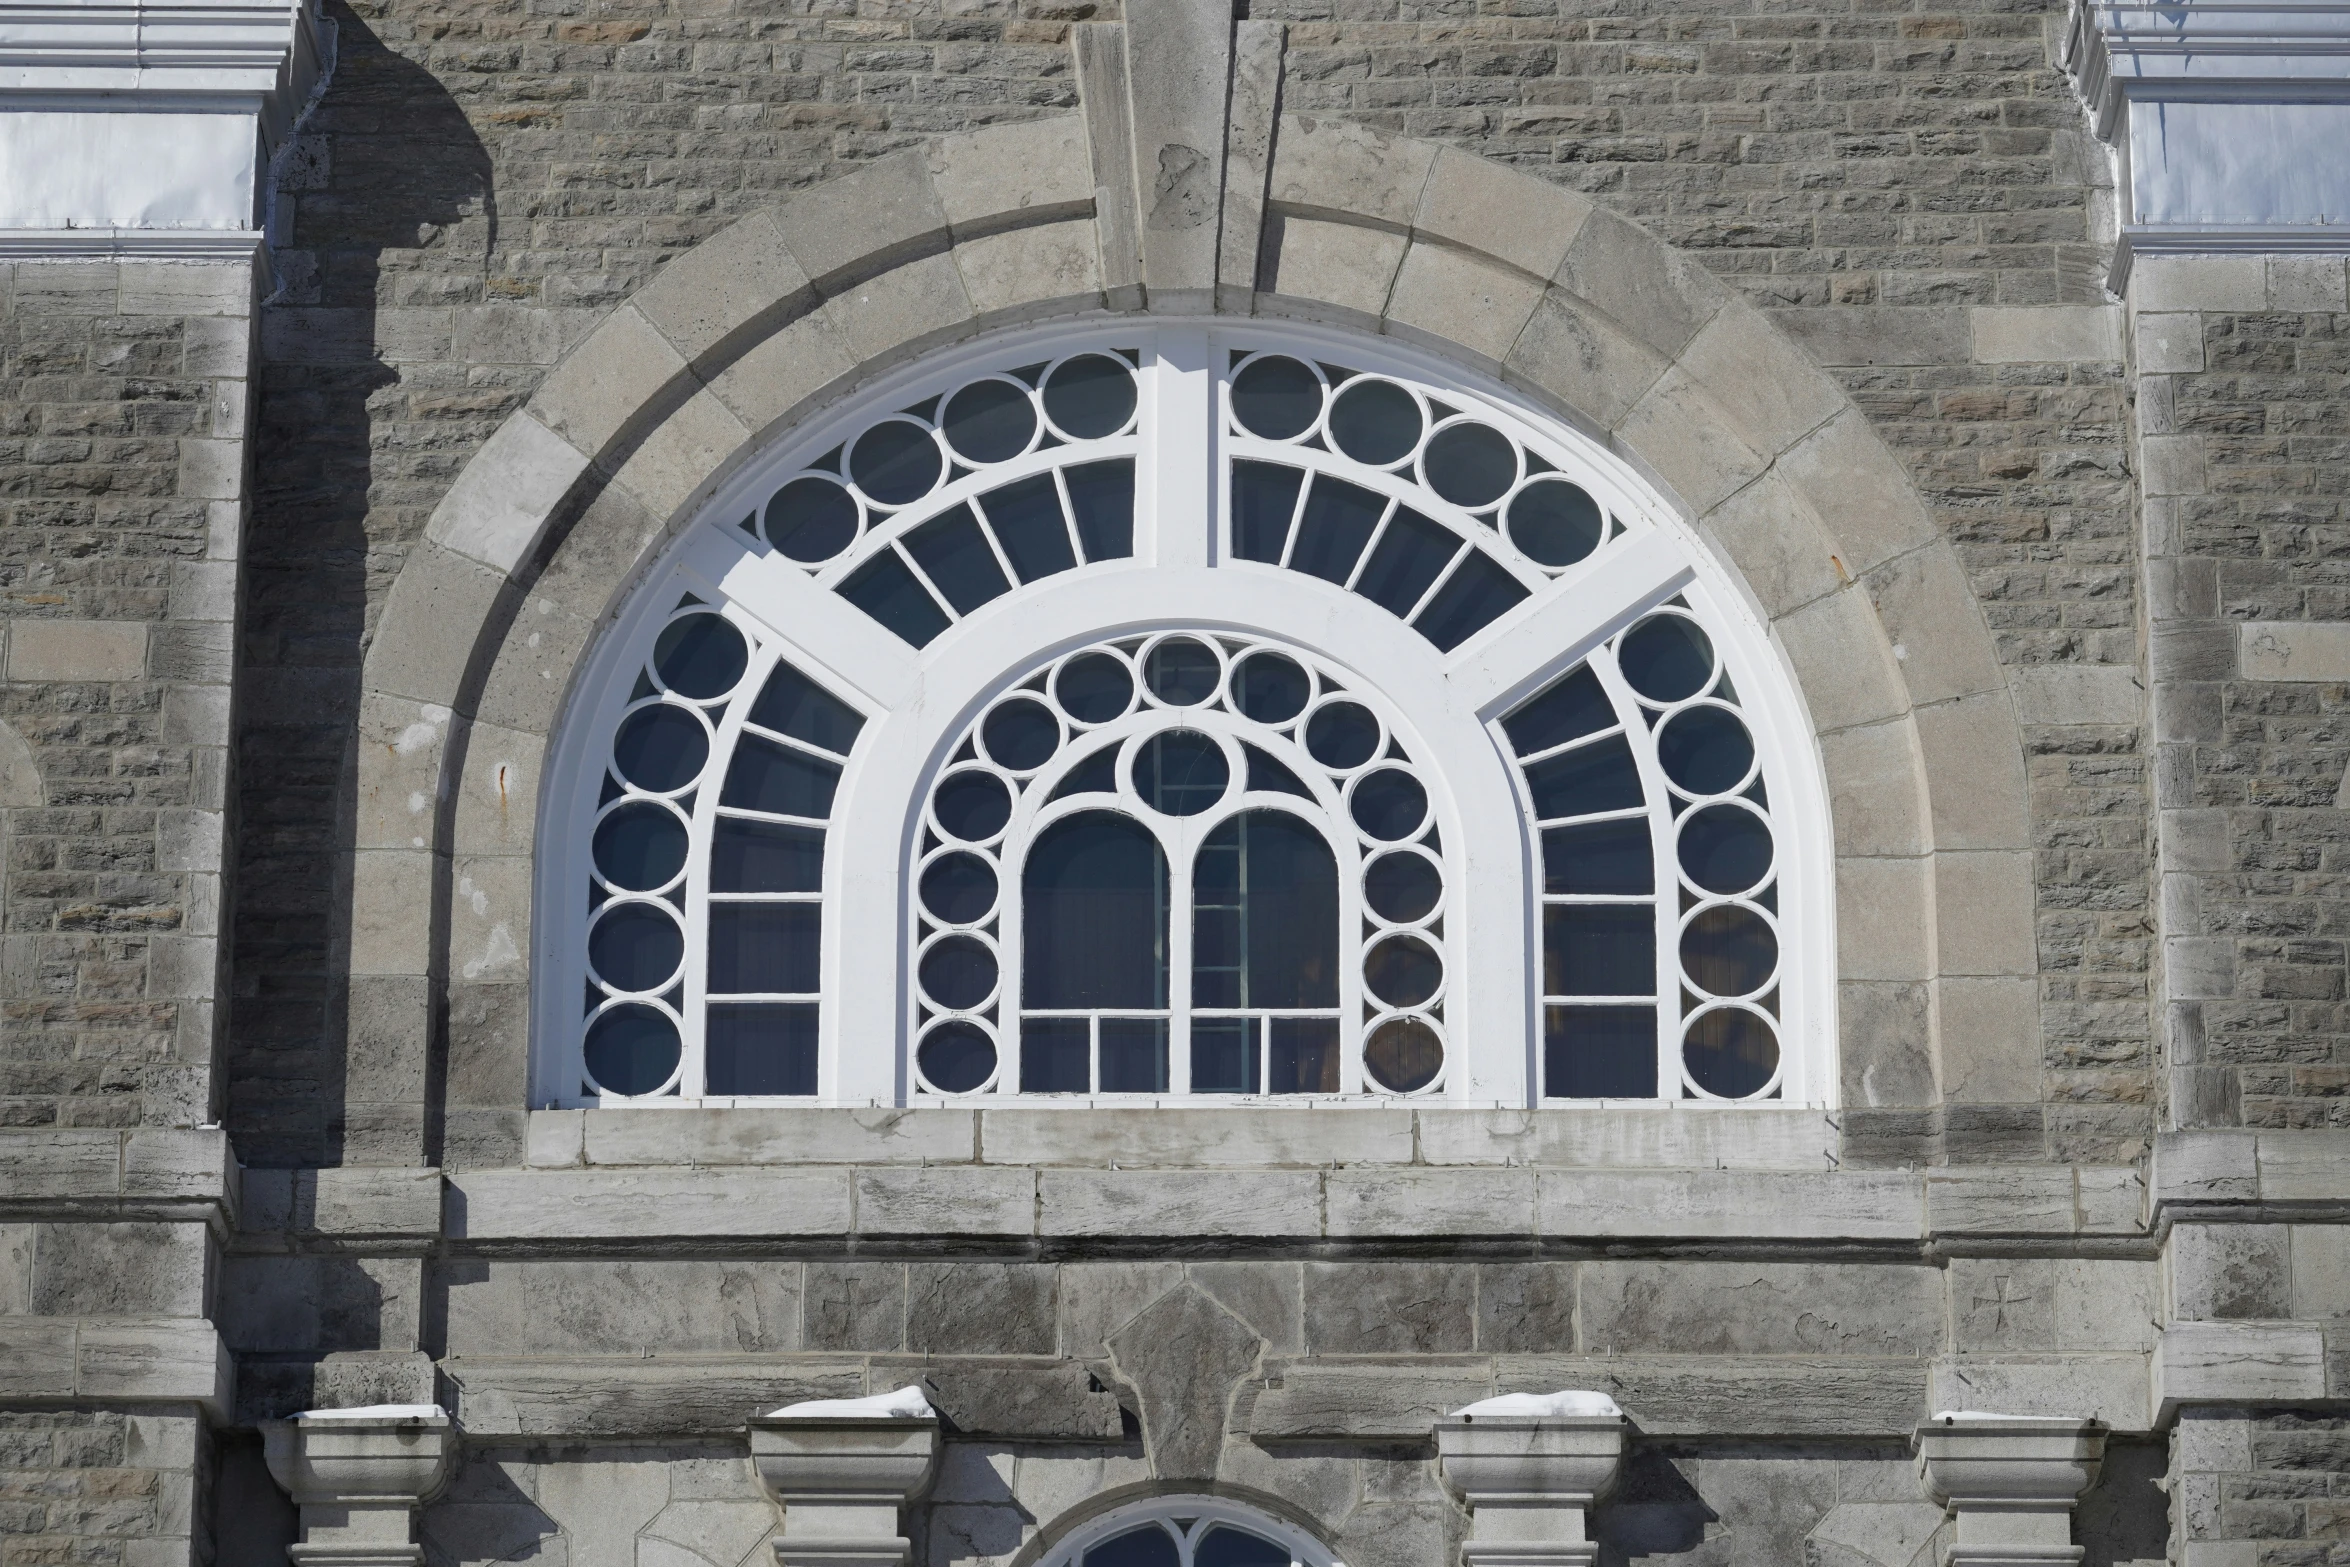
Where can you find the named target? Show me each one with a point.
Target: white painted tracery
(972, 523)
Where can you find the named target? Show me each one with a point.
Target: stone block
(769, 1135)
(2109, 694)
(401, 746)
(2047, 334)
(855, 1306)
(202, 652)
(1683, 440)
(1152, 1139)
(120, 1270)
(1874, 794)
(2111, 1388)
(556, 1137)
(1723, 1137)
(1105, 103)
(1406, 1202)
(1395, 1402)
(1390, 1308)
(203, 590)
(413, 653)
(498, 794)
(1983, 902)
(1098, 1299)
(1514, 218)
(1029, 274)
(499, 506)
(2170, 344)
(1991, 1049)
(1884, 1043)
(360, 1200)
(682, 458)
(1250, 114)
(1580, 363)
(157, 1362)
(1928, 609)
(1763, 1308)
(2112, 1199)
(1319, 270)
(647, 1204)
(2238, 1363)
(1712, 1396)
(946, 1202)
(91, 650)
(1730, 1205)
(1772, 392)
(2310, 283)
(1526, 1308)
(2286, 650)
(2198, 283)
(489, 1047)
(1007, 176)
(519, 334)
(1654, 293)
(2172, 465)
(541, 646)
(1343, 168)
(1135, 1203)
(2001, 1305)
(211, 469)
(608, 386)
(2230, 1271)
(2107, 1306)
(731, 287)
(583, 1397)
(1779, 551)
(1268, 1296)
(780, 376)
(901, 311)
(216, 347)
(1453, 300)
(391, 896)
(1177, 108)
(36, 1358)
(185, 288)
(1882, 919)
(2002, 1200)
(1864, 498)
(2320, 1263)
(982, 1308)
(624, 1307)
(877, 216)
(1881, 334)
(1840, 655)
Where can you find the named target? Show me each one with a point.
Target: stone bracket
(2010, 1483)
(361, 1479)
(841, 1482)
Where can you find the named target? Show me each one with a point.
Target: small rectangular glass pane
(1056, 1055)
(1412, 553)
(954, 555)
(1134, 1055)
(885, 589)
(1224, 1055)
(764, 948)
(1599, 1052)
(792, 704)
(1264, 499)
(1480, 592)
(1026, 517)
(1575, 707)
(1607, 858)
(1304, 1056)
(765, 857)
(1101, 495)
(768, 777)
(1337, 524)
(766, 1048)
(1585, 781)
(1606, 949)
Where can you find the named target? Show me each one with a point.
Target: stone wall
(122, 458)
(2260, 1489)
(102, 1488)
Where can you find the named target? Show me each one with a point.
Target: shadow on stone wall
(388, 167)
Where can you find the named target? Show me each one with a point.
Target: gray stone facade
(2044, 527)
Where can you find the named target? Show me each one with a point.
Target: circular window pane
(958, 973)
(640, 846)
(1725, 848)
(1731, 1052)
(1403, 1055)
(1271, 688)
(700, 656)
(1276, 397)
(1729, 951)
(958, 889)
(895, 462)
(636, 946)
(1470, 465)
(1094, 688)
(1403, 971)
(1556, 523)
(1403, 889)
(989, 421)
(1390, 804)
(1090, 396)
(1343, 736)
(1022, 734)
(1182, 671)
(1667, 658)
(660, 748)
(1180, 772)
(956, 1057)
(1706, 750)
(972, 806)
(632, 1049)
(1375, 422)
(811, 519)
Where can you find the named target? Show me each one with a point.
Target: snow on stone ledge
(907, 1403)
(1546, 1406)
(375, 1412)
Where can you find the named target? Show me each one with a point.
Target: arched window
(1187, 1531)
(1185, 712)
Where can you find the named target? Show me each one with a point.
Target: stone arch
(1580, 309)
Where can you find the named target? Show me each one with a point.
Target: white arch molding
(918, 701)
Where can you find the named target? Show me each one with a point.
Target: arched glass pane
(1264, 915)
(1094, 916)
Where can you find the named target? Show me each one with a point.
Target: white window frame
(1208, 1511)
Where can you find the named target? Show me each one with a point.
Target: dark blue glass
(1134, 1055)
(1574, 707)
(1598, 949)
(1094, 688)
(640, 846)
(956, 1057)
(1403, 971)
(1224, 1546)
(1021, 734)
(1375, 422)
(1412, 553)
(1666, 658)
(1336, 525)
(1056, 1055)
(1180, 772)
(1264, 499)
(1589, 779)
(1226, 1056)
(972, 806)
(748, 856)
(1731, 1052)
(792, 704)
(1729, 951)
(1403, 1055)
(764, 948)
(895, 462)
(1470, 465)
(1101, 495)
(811, 519)
(1479, 592)
(1301, 1056)
(953, 554)
(1342, 735)
(1026, 517)
(1555, 522)
(636, 946)
(885, 589)
(1276, 397)
(1706, 750)
(768, 777)
(1390, 804)
(989, 421)
(760, 1048)
(1264, 915)
(958, 888)
(632, 1049)
(1402, 888)
(700, 656)
(1090, 396)
(1182, 671)
(1599, 857)
(1599, 1052)
(1725, 848)
(1271, 688)
(1094, 902)
(958, 973)
(660, 748)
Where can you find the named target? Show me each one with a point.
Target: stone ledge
(148, 1171)
(2238, 1363)
(344, 1202)
(2252, 1168)
(115, 1360)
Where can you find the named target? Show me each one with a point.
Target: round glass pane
(1729, 951)
(1343, 735)
(700, 656)
(1555, 522)
(895, 462)
(632, 1049)
(811, 519)
(958, 888)
(1375, 422)
(1667, 658)
(956, 1057)
(1403, 1055)
(640, 846)
(972, 806)
(1731, 1052)
(1403, 889)
(958, 972)
(1390, 804)
(1182, 671)
(1470, 465)
(1725, 848)
(1271, 688)
(1022, 734)
(1090, 396)
(1181, 772)
(1706, 750)
(989, 421)
(1276, 397)
(636, 946)
(1403, 971)
(1094, 688)
(660, 748)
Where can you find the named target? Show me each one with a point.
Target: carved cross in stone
(2003, 1296)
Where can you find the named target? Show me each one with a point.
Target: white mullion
(1451, 569)
(1069, 517)
(1297, 516)
(1181, 853)
(922, 578)
(1659, 794)
(1371, 544)
(1576, 744)
(1181, 449)
(1596, 818)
